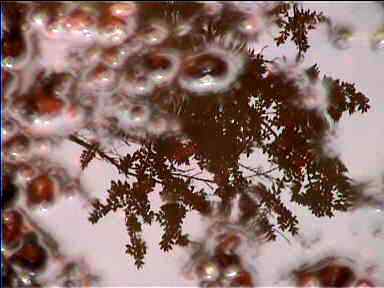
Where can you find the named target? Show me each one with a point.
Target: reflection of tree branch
(102, 154)
(258, 173)
(282, 235)
(183, 170)
(112, 160)
(205, 182)
(270, 129)
(194, 177)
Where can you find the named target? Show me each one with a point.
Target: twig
(195, 178)
(206, 183)
(282, 235)
(183, 170)
(113, 161)
(258, 173)
(103, 155)
(270, 129)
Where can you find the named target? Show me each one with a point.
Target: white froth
(155, 37)
(132, 115)
(63, 125)
(118, 34)
(55, 53)
(161, 77)
(137, 87)
(209, 84)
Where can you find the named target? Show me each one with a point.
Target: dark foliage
(88, 155)
(258, 115)
(296, 25)
(344, 97)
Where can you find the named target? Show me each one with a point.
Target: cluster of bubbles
(223, 258)
(85, 64)
(220, 262)
(36, 182)
(29, 252)
(88, 68)
(31, 181)
(330, 272)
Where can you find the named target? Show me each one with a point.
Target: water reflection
(190, 92)
(258, 113)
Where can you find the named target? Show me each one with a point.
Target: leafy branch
(296, 25)
(257, 115)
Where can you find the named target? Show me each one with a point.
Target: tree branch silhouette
(259, 114)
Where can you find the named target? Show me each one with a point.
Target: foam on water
(357, 235)
(211, 84)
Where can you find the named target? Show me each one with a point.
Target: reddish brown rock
(243, 280)
(41, 190)
(10, 191)
(31, 256)
(307, 280)
(336, 276)
(157, 62)
(12, 225)
(79, 20)
(203, 65)
(122, 10)
(225, 260)
(49, 105)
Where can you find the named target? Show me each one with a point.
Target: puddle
(193, 144)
